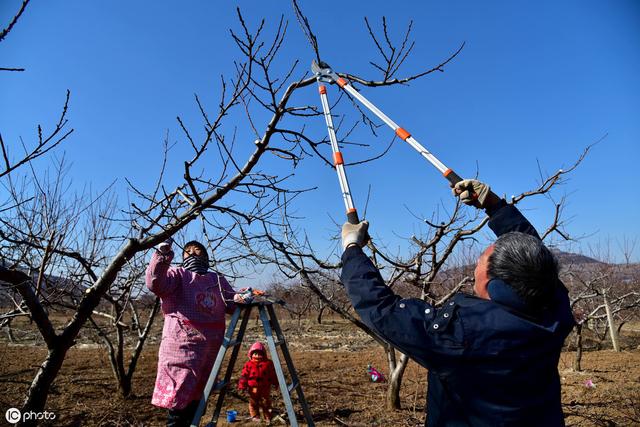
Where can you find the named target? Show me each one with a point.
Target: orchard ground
(331, 360)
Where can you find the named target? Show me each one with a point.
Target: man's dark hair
(527, 265)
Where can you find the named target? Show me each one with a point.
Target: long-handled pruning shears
(338, 160)
(324, 73)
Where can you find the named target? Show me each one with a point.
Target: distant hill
(564, 258)
(52, 283)
(569, 258)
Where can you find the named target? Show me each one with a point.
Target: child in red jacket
(258, 375)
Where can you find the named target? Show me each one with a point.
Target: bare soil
(331, 359)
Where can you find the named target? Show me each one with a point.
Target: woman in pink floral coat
(194, 303)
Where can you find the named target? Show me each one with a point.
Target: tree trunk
(396, 372)
(620, 327)
(578, 359)
(319, 317)
(12, 338)
(116, 358)
(59, 344)
(39, 389)
(125, 386)
(120, 360)
(124, 378)
(128, 378)
(612, 327)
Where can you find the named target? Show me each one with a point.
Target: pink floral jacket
(194, 307)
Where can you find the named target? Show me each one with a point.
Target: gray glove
(472, 192)
(355, 233)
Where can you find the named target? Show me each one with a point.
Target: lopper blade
(323, 71)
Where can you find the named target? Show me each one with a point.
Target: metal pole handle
(352, 217)
(338, 160)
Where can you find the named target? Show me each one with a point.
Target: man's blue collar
(502, 293)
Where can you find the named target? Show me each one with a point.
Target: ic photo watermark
(14, 415)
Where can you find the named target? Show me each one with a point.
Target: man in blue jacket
(492, 358)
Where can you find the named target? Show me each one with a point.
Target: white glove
(165, 247)
(355, 233)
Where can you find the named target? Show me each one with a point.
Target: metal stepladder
(270, 325)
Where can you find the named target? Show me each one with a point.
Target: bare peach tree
(604, 296)
(124, 325)
(84, 242)
(429, 271)
(84, 247)
(8, 29)
(223, 190)
(44, 221)
(424, 268)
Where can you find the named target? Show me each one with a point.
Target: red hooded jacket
(258, 374)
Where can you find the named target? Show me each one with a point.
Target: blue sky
(535, 84)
